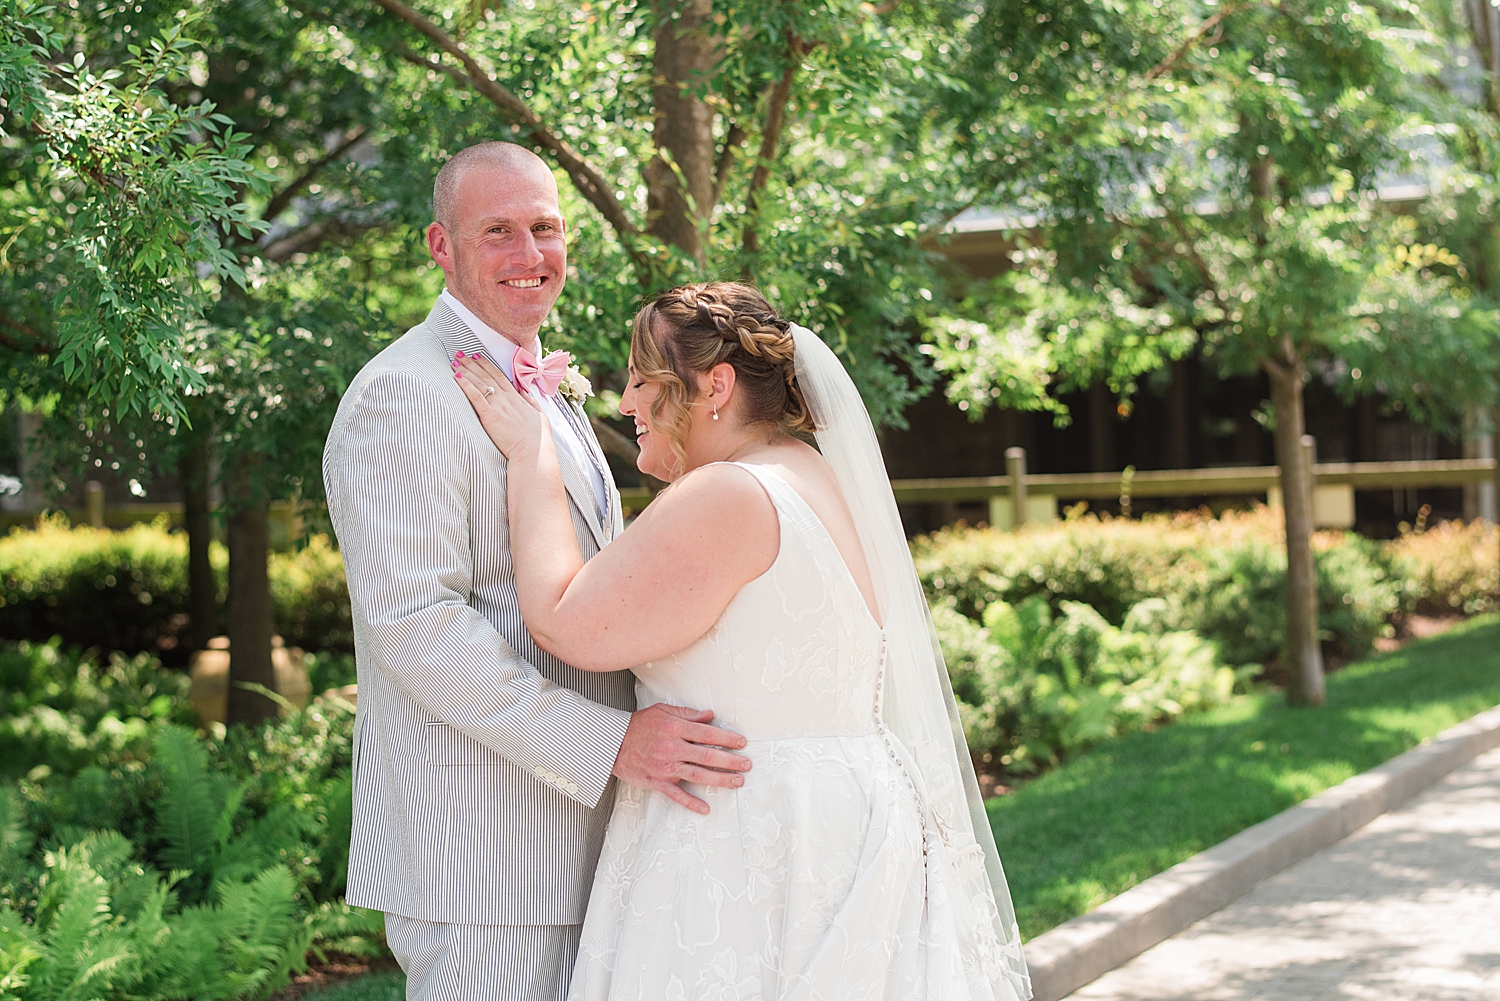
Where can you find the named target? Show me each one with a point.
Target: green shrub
(62, 711)
(311, 599)
(1454, 568)
(227, 854)
(95, 917)
(1221, 577)
(127, 591)
(124, 591)
(306, 761)
(289, 779)
(104, 926)
(1033, 686)
(329, 669)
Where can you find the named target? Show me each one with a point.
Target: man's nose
(525, 252)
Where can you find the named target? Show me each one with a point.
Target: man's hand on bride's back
(668, 745)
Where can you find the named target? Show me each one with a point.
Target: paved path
(1405, 909)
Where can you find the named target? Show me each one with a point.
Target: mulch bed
(339, 969)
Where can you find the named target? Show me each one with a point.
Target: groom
(482, 765)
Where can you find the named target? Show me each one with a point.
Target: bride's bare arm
(652, 591)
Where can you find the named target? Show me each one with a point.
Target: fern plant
(196, 819)
(220, 869)
(106, 927)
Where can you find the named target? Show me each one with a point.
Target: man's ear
(439, 246)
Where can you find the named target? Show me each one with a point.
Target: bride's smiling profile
(769, 583)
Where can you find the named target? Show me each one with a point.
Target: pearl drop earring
(716, 411)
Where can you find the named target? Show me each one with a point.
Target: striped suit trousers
(457, 962)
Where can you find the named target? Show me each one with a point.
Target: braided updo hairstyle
(688, 330)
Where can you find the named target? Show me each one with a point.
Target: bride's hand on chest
(514, 421)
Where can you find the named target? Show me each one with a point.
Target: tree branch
(310, 237)
(733, 139)
(1274, 368)
(38, 345)
(436, 65)
(279, 204)
(770, 136)
(1170, 63)
(588, 181)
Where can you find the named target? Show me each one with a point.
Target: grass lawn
(1141, 803)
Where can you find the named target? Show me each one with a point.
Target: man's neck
(470, 315)
(524, 339)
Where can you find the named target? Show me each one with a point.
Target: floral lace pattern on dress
(825, 877)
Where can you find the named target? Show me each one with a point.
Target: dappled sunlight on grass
(1141, 803)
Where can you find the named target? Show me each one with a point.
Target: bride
(770, 583)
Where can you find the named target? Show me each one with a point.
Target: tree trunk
(1179, 433)
(1101, 428)
(250, 619)
(770, 138)
(1471, 447)
(203, 591)
(685, 57)
(1303, 658)
(1495, 448)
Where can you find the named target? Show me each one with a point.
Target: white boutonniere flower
(574, 387)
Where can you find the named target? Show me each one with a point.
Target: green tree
(760, 139)
(1218, 194)
(253, 386)
(766, 140)
(115, 199)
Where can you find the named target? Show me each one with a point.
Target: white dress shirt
(502, 352)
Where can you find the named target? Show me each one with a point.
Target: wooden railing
(1037, 498)
(1041, 493)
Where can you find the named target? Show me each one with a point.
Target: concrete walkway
(1405, 909)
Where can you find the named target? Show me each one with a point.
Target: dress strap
(775, 485)
(788, 503)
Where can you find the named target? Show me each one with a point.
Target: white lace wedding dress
(822, 878)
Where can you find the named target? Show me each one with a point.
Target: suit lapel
(580, 490)
(456, 336)
(585, 431)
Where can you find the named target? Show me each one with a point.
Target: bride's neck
(732, 445)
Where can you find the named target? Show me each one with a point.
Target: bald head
(500, 237)
(500, 156)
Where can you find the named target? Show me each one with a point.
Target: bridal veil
(919, 707)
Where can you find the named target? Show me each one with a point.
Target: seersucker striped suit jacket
(481, 763)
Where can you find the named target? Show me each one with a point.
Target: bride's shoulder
(723, 486)
(721, 505)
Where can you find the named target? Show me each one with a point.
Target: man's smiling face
(504, 248)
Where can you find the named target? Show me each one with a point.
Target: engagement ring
(488, 390)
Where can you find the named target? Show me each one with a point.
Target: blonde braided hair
(688, 330)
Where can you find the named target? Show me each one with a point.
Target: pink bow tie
(541, 376)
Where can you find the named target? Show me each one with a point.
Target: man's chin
(519, 315)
